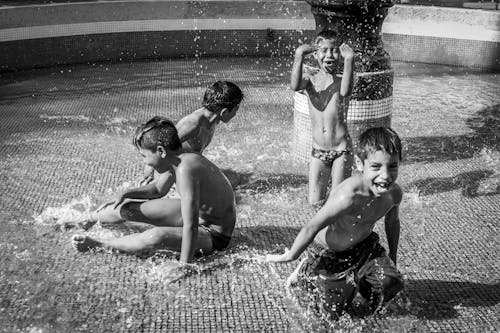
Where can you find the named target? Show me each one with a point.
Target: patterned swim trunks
(328, 156)
(365, 265)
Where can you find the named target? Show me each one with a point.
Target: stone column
(359, 24)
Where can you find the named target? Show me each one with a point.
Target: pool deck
(65, 143)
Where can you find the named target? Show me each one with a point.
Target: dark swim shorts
(219, 241)
(365, 264)
(328, 156)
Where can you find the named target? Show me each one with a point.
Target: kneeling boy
(202, 219)
(343, 228)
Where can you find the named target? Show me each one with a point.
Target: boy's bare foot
(84, 222)
(84, 243)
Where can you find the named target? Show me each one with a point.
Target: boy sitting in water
(202, 219)
(220, 103)
(328, 102)
(343, 227)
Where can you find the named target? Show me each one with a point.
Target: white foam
(72, 210)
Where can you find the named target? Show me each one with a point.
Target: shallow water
(65, 137)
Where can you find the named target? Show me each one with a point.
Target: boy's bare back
(196, 131)
(216, 196)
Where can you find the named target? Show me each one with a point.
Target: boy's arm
(297, 82)
(164, 183)
(190, 205)
(148, 175)
(348, 76)
(392, 225)
(328, 214)
(392, 228)
(150, 191)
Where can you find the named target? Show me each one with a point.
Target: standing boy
(328, 97)
(202, 219)
(343, 227)
(196, 130)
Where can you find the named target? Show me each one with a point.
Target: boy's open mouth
(382, 186)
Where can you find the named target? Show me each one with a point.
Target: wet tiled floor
(65, 142)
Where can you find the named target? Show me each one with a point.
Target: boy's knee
(398, 283)
(392, 286)
(108, 214)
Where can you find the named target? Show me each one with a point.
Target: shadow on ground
(270, 181)
(437, 299)
(265, 238)
(468, 183)
(430, 149)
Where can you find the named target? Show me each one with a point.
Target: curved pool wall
(55, 34)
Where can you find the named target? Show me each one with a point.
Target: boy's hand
(285, 257)
(305, 49)
(346, 52)
(120, 197)
(104, 205)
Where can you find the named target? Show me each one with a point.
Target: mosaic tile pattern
(434, 50)
(65, 142)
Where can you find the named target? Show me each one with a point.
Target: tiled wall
(47, 35)
(448, 51)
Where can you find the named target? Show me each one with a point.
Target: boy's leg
(341, 169)
(105, 213)
(159, 237)
(319, 176)
(380, 278)
(86, 221)
(160, 212)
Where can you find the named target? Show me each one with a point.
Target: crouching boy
(347, 256)
(202, 219)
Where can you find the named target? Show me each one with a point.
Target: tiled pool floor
(65, 144)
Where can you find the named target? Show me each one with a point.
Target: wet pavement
(65, 142)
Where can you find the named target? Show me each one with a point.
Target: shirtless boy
(196, 130)
(328, 97)
(343, 227)
(202, 219)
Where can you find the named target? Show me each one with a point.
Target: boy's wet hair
(326, 35)
(379, 138)
(158, 131)
(222, 94)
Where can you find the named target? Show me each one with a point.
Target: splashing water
(73, 210)
(77, 208)
(250, 262)
(167, 270)
(241, 263)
